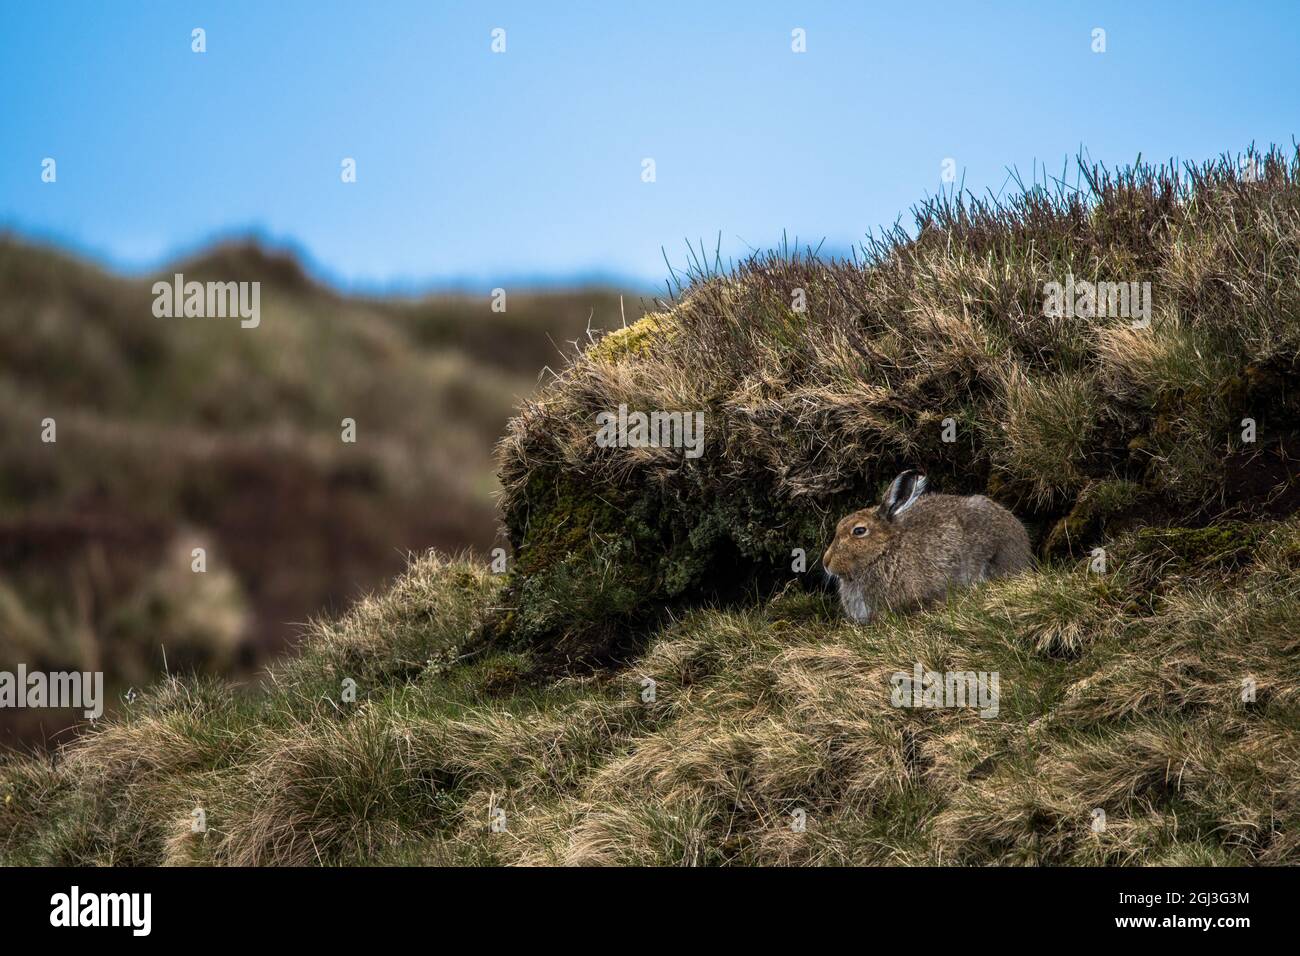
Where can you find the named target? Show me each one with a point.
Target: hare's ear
(902, 494)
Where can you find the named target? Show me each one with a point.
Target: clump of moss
(575, 560)
(593, 565)
(631, 340)
(1226, 544)
(1099, 504)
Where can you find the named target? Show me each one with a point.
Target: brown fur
(930, 544)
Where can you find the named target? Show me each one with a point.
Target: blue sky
(478, 168)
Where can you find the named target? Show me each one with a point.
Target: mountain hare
(906, 553)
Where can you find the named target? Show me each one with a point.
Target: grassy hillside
(1081, 425)
(174, 434)
(1162, 690)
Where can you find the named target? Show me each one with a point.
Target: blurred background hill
(185, 433)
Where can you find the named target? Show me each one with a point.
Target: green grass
(1120, 692)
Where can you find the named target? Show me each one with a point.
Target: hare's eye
(860, 531)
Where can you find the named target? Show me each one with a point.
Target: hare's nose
(826, 559)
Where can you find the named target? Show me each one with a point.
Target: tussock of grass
(809, 413)
(422, 624)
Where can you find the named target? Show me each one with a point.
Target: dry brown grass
(1119, 692)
